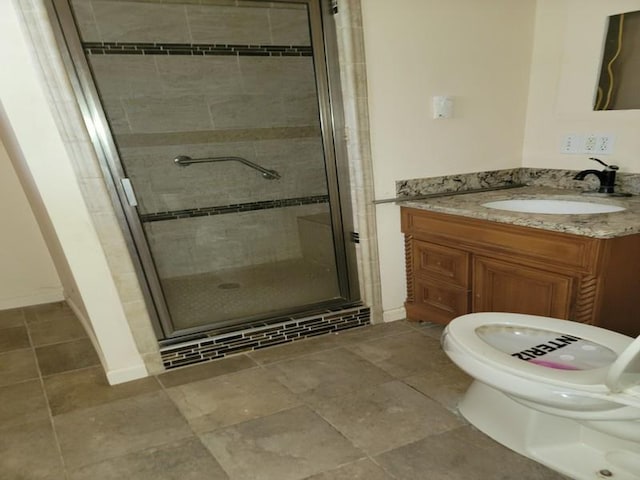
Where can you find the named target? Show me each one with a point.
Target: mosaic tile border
(201, 49)
(234, 208)
(219, 345)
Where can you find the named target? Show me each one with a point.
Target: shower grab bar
(185, 160)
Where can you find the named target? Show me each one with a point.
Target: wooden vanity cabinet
(440, 287)
(457, 265)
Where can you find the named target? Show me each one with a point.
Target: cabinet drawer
(440, 262)
(437, 302)
(482, 236)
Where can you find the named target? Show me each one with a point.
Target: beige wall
(568, 43)
(478, 53)
(28, 274)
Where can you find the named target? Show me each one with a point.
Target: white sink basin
(552, 206)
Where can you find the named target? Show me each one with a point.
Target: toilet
(562, 393)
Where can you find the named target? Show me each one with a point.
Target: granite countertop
(601, 225)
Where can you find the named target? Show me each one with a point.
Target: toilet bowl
(563, 393)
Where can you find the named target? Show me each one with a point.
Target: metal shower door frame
(324, 48)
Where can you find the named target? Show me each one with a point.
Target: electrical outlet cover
(571, 143)
(604, 145)
(590, 142)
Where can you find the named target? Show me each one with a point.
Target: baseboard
(394, 315)
(49, 296)
(123, 375)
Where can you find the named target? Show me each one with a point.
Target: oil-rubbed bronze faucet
(607, 176)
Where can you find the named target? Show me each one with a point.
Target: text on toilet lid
(547, 348)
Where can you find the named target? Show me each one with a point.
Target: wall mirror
(619, 84)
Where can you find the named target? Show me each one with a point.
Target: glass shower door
(216, 114)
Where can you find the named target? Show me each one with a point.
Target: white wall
(36, 147)
(477, 52)
(28, 274)
(568, 43)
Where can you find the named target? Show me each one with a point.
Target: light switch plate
(442, 107)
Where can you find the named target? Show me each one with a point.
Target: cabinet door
(499, 286)
(437, 302)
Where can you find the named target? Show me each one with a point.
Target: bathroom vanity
(462, 257)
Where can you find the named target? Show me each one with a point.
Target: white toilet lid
(625, 372)
(463, 341)
(547, 348)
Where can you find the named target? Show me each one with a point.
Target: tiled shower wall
(205, 244)
(211, 80)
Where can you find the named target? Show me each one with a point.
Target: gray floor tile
(289, 445)
(328, 374)
(88, 388)
(14, 338)
(231, 399)
(361, 470)
(386, 416)
(21, 403)
(29, 452)
(187, 459)
(45, 311)
(11, 318)
(17, 366)
(60, 328)
(403, 355)
(195, 373)
(462, 454)
(446, 385)
(118, 428)
(432, 330)
(67, 356)
(296, 349)
(372, 332)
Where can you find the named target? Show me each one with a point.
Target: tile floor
(374, 403)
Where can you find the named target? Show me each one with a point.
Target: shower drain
(229, 286)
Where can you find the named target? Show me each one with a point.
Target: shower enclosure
(214, 121)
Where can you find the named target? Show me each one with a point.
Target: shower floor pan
(215, 298)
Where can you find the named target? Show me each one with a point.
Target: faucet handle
(610, 167)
